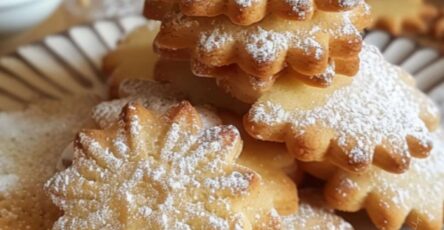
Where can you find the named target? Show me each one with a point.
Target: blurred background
(25, 21)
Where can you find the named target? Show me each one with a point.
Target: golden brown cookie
(246, 12)
(271, 161)
(200, 90)
(267, 47)
(158, 172)
(378, 118)
(398, 16)
(277, 193)
(158, 96)
(31, 142)
(415, 197)
(248, 88)
(314, 214)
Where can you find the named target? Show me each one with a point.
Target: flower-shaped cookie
(267, 47)
(410, 15)
(313, 214)
(415, 197)
(158, 96)
(271, 161)
(247, 12)
(379, 117)
(155, 171)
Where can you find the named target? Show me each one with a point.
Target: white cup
(19, 15)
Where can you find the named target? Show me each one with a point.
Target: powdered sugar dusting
(264, 45)
(325, 78)
(314, 215)
(31, 141)
(300, 7)
(182, 177)
(246, 3)
(378, 106)
(215, 40)
(268, 40)
(427, 190)
(421, 188)
(348, 3)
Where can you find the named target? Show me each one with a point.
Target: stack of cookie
(248, 98)
(244, 45)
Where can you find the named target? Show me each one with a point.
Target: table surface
(60, 20)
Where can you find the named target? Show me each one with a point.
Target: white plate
(69, 63)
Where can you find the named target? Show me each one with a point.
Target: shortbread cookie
(271, 161)
(157, 171)
(31, 142)
(246, 12)
(199, 90)
(267, 159)
(379, 117)
(224, 91)
(415, 197)
(267, 47)
(156, 96)
(248, 88)
(314, 214)
(397, 16)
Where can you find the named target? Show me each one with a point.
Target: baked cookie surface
(249, 11)
(379, 117)
(415, 198)
(267, 47)
(156, 171)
